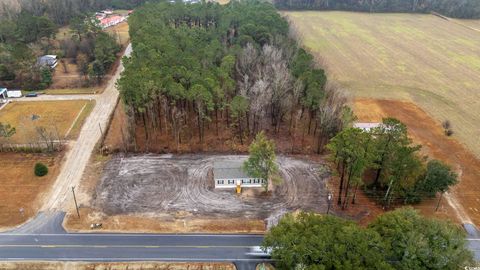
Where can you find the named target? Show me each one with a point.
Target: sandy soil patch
(166, 184)
(20, 188)
(424, 59)
(429, 133)
(116, 266)
(57, 117)
(176, 194)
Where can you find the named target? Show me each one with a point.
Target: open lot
(64, 118)
(426, 131)
(20, 188)
(179, 189)
(434, 63)
(121, 32)
(150, 183)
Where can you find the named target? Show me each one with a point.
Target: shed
(227, 174)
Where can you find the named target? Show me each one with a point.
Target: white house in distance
(48, 61)
(366, 126)
(227, 174)
(111, 21)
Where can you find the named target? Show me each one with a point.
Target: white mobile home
(229, 174)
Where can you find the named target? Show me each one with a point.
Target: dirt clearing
(20, 188)
(176, 193)
(427, 132)
(62, 118)
(424, 59)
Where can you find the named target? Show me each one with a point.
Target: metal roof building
(229, 174)
(366, 126)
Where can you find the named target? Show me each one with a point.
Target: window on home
(220, 182)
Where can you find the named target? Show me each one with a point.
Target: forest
(24, 37)
(206, 69)
(452, 8)
(62, 11)
(387, 165)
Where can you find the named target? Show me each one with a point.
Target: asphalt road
(43, 238)
(131, 247)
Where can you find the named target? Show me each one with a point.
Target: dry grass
(430, 61)
(66, 75)
(427, 132)
(471, 23)
(20, 188)
(121, 32)
(74, 91)
(55, 116)
(183, 223)
(116, 266)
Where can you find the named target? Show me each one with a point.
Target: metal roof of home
(229, 170)
(366, 126)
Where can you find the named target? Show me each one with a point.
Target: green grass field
(421, 58)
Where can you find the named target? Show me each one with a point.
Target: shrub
(41, 169)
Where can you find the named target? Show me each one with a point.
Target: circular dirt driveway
(160, 184)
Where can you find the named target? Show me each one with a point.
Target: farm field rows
(430, 61)
(62, 117)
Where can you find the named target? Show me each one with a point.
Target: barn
(229, 174)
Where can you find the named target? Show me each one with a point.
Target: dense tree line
(398, 173)
(17, 59)
(451, 8)
(26, 36)
(401, 239)
(194, 65)
(62, 11)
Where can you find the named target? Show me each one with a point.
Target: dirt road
(56, 98)
(78, 155)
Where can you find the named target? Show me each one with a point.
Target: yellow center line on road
(116, 246)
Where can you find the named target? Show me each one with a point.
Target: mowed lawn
(64, 118)
(430, 61)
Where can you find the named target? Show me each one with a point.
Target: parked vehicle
(31, 95)
(259, 252)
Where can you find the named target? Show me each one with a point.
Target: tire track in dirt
(157, 185)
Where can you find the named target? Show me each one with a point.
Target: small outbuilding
(230, 174)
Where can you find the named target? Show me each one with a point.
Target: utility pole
(329, 200)
(101, 131)
(75, 199)
(438, 202)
